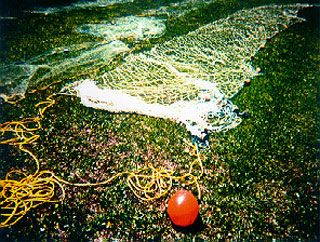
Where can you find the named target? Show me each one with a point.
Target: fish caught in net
(190, 78)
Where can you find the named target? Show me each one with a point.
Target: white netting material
(77, 59)
(190, 78)
(70, 60)
(178, 8)
(137, 28)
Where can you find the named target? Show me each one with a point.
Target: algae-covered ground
(260, 179)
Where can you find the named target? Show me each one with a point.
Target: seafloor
(260, 180)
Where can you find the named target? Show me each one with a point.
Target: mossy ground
(260, 180)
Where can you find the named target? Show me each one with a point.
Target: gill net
(189, 79)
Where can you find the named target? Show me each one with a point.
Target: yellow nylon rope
(21, 192)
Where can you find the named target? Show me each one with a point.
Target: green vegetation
(260, 180)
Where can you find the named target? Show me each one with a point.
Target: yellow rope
(19, 196)
(21, 192)
(157, 184)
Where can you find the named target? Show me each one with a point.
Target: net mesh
(191, 78)
(41, 70)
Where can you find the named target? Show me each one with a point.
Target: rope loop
(20, 192)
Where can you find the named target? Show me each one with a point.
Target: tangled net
(73, 62)
(188, 79)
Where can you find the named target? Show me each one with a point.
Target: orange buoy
(183, 208)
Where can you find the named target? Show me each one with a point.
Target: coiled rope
(21, 192)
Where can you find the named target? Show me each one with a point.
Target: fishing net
(134, 27)
(191, 78)
(72, 61)
(61, 62)
(179, 8)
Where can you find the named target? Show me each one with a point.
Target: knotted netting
(191, 78)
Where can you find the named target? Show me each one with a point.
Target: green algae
(261, 179)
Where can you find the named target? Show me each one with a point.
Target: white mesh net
(70, 60)
(190, 78)
(134, 27)
(76, 60)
